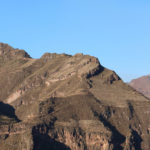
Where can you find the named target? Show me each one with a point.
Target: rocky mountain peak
(9, 52)
(82, 65)
(50, 56)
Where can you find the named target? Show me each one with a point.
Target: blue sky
(115, 31)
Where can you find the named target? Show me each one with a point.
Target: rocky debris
(111, 78)
(69, 103)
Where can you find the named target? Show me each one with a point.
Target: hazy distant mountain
(63, 102)
(142, 85)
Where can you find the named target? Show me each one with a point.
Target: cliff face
(69, 103)
(142, 85)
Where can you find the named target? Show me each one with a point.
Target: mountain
(64, 102)
(142, 85)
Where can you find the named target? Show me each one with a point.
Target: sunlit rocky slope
(63, 102)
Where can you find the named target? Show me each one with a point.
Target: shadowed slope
(7, 114)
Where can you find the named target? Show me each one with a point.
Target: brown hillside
(63, 102)
(142, 85)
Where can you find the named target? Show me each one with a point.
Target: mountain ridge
(68, 102)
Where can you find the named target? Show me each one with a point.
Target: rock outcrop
(69, 103)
